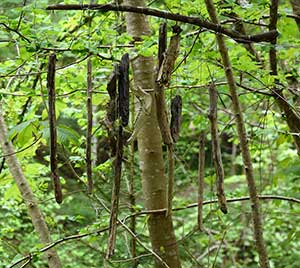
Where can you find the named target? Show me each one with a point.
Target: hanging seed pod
(52, 126)
(176, 109)
(123, 87)
(162, 43)
(111, 109)
(167, 66)
(112, 91)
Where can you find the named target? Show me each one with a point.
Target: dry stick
(216, 148)
(115, 195)
(132, 192)
(217, 28)
(201, 175)
(89, 108)
(53, 130)
(256, 214)
(55, 243)
(171, 165)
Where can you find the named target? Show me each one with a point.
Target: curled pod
(176, 110)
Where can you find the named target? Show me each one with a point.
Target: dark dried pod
(52, 126)
(123, 87)
(176, 109)
(167, 66)
(112, 91)
(162, 43)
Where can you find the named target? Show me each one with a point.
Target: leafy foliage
(28, 33)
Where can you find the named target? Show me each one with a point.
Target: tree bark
(242, 134)
(35, 214)
(154, 181)
(296, 10)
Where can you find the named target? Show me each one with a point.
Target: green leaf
(65, 134)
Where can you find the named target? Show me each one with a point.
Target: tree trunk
(151, 162)
(296, 10)
(36, 216)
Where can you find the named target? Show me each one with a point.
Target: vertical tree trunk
(151, 162)
(242, 134)
(36, 216)
(296, 10)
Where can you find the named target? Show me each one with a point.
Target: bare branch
(201, 175)
(89, 110)
(217, 28)
(216, 148)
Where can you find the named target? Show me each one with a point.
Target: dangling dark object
(176, 109)
(162, 43)
(123, 87)
(123, 109)
(112, 91)
(52, 126)
(2, 164)
(111, 110)
(167, 66)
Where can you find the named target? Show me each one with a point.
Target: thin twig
(216, 148)
(23, 149)
(201, 175)
(15, 31)
(57, 242)
(134, 235)
(89, 111)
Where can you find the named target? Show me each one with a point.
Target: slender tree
(242, 135)
(154, 181)
(29, 199)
